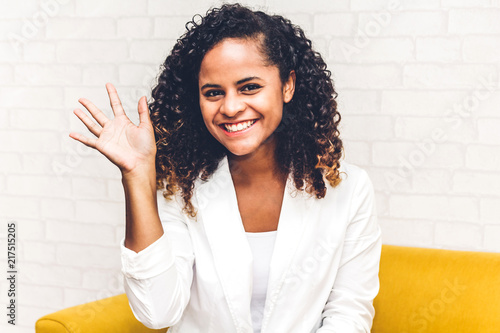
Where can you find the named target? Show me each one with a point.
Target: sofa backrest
(437, 291)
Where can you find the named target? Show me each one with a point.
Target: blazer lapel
(218, 209)
(292, 222)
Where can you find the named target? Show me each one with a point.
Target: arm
(349, 308)
(155, 271)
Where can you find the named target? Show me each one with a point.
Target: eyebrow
(211, 85)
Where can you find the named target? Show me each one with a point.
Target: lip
(231, 134)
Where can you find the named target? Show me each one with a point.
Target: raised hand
(131, 148)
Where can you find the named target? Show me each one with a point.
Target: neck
(259, 165)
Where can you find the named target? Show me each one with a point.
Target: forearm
(143, 225)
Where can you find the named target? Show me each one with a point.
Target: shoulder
(353, 177)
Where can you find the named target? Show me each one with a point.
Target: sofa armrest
(107, 315)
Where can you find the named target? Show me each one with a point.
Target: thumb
(142, 107)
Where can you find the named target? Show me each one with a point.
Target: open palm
(128, 146)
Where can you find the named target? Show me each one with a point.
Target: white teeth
(239, 127)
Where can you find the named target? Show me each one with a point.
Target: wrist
(141, 174)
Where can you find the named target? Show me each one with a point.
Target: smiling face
(241, 96)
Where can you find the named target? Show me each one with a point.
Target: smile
(232, 128)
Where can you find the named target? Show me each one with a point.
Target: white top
(262, 245)
(198, 276)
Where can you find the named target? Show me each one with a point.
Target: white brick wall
(419, 93)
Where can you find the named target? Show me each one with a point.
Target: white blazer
(324, 269)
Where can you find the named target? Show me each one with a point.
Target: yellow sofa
(421, 291)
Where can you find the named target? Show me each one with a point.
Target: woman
(257, 226)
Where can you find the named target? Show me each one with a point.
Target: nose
(232, 104)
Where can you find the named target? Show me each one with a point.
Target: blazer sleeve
(349, 308)
(157, 280)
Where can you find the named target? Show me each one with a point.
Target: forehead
(235, 57)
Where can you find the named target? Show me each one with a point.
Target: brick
(11, 163)
(475, 183)
(30, 229)
(372, 50)
(37, 119)
(458, 235)
(9, 53)
(408, 23)
(78, 233)
(482, 49)
(4, 119)
(91, 52)
(34, 294)
(486, 158)
(100, 212)
(393, 5)
(115, 190)
(422, 103)
(16, 141)
(40, 253)
(492, 238)
(84, 256)
(61, 209)
(96, 95)
(97, 8)
(9, 27)
(6, 74)
(98, 75)
(431, 181)
(433, 207)
(425, 76)
(150, 51)
(388, 180)
(334, 24)
(438, 49)
(490, 210)
(367, 127)
(52, 275)
(19, 207)
(103, 279)
(171, 27)
(293, 6)
(357, 152)
(488, 131)
(26, 10)
(39, 52)
(366, 76)
(88, 188)
(39, 163)
(406, 232)
(474, 21)
(420, 154)
(43, 186)
(138, 74)
(465, 3)
(358, 102)
(81, 29)
(305, 20)
(437, 129)
(39, 97)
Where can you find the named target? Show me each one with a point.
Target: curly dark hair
(307, 137)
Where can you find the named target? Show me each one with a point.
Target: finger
(142, 107)
(114, 100)
(93, 127)
(83, 139)
(94, 111)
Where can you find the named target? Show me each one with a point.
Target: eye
(213, 93)
(252, 87)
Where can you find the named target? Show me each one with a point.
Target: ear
(289, 87)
